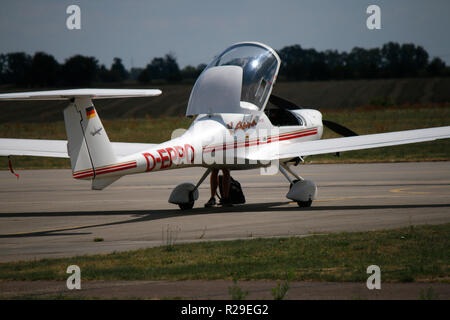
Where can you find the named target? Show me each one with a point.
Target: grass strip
(415, 253)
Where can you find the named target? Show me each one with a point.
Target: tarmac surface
(47, 214)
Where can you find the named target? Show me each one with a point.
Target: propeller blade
(283, 103)
(339, 129)
(336, 127)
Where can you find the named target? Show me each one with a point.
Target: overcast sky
(196, 30)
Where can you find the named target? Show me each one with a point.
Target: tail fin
(89, 147)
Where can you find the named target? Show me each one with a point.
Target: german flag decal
(90, 112)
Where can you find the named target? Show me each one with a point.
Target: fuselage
(222, 141)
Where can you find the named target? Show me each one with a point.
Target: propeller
(283, 103)
(288, 105)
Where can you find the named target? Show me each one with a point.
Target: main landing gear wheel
(301, 204)
(186, 206)
(190, 204)
(304, 204)
(300, 190)
(185, 194)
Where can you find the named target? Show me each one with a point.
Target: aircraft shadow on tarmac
(149, 215)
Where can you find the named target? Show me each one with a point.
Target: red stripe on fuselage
(103, 170)
(247, 143)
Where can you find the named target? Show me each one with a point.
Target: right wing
(58, 148)
(274, 151)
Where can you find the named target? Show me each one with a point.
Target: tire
(186, 206)
(304, 204)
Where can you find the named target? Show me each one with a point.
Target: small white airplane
(233, 130)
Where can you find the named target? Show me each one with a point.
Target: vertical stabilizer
(89, 147)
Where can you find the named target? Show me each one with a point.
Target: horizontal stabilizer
(76, 93)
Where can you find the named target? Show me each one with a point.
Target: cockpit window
(260, 66)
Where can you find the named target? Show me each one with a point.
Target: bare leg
(214, 182)
(226, 183)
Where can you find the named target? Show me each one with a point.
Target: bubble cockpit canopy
(239, 80)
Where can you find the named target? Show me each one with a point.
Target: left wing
(274, 151)
(58, 148)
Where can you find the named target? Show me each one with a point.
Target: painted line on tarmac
(442, 190)
(357, 197)
(405, 190)
(350, 197)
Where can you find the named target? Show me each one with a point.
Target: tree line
(392, 60)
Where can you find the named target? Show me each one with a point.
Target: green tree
(3, 67)
(413, 60)
(135, 72)
(104, 74)
(161, 68)
(172, 71)
(437, 68)
(118, 71)
(44, 70)
(18, 68)
(191, 72)
(80, 70)
(364, 63)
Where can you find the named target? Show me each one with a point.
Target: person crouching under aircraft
(214, 182)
